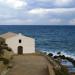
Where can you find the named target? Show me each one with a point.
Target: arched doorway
(20, 50)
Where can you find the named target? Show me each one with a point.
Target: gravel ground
(29, 65)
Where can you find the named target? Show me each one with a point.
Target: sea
(48, 38)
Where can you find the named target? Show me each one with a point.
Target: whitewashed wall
(28, 43)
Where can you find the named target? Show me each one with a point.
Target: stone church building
(19, 43)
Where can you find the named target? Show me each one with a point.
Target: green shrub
(5, 61)
(62, 71)
(2, 41)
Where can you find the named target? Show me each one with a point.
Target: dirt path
(29, 65)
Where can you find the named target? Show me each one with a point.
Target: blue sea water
(48, 38)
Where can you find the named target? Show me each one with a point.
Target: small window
(20, 40)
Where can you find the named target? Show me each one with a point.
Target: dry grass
(2, 67)
(7, 54)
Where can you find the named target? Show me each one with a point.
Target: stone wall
(50, 70)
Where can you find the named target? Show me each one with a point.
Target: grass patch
(62, 71)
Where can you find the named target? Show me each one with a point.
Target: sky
(37, 12)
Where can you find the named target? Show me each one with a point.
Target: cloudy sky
(37, 12)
